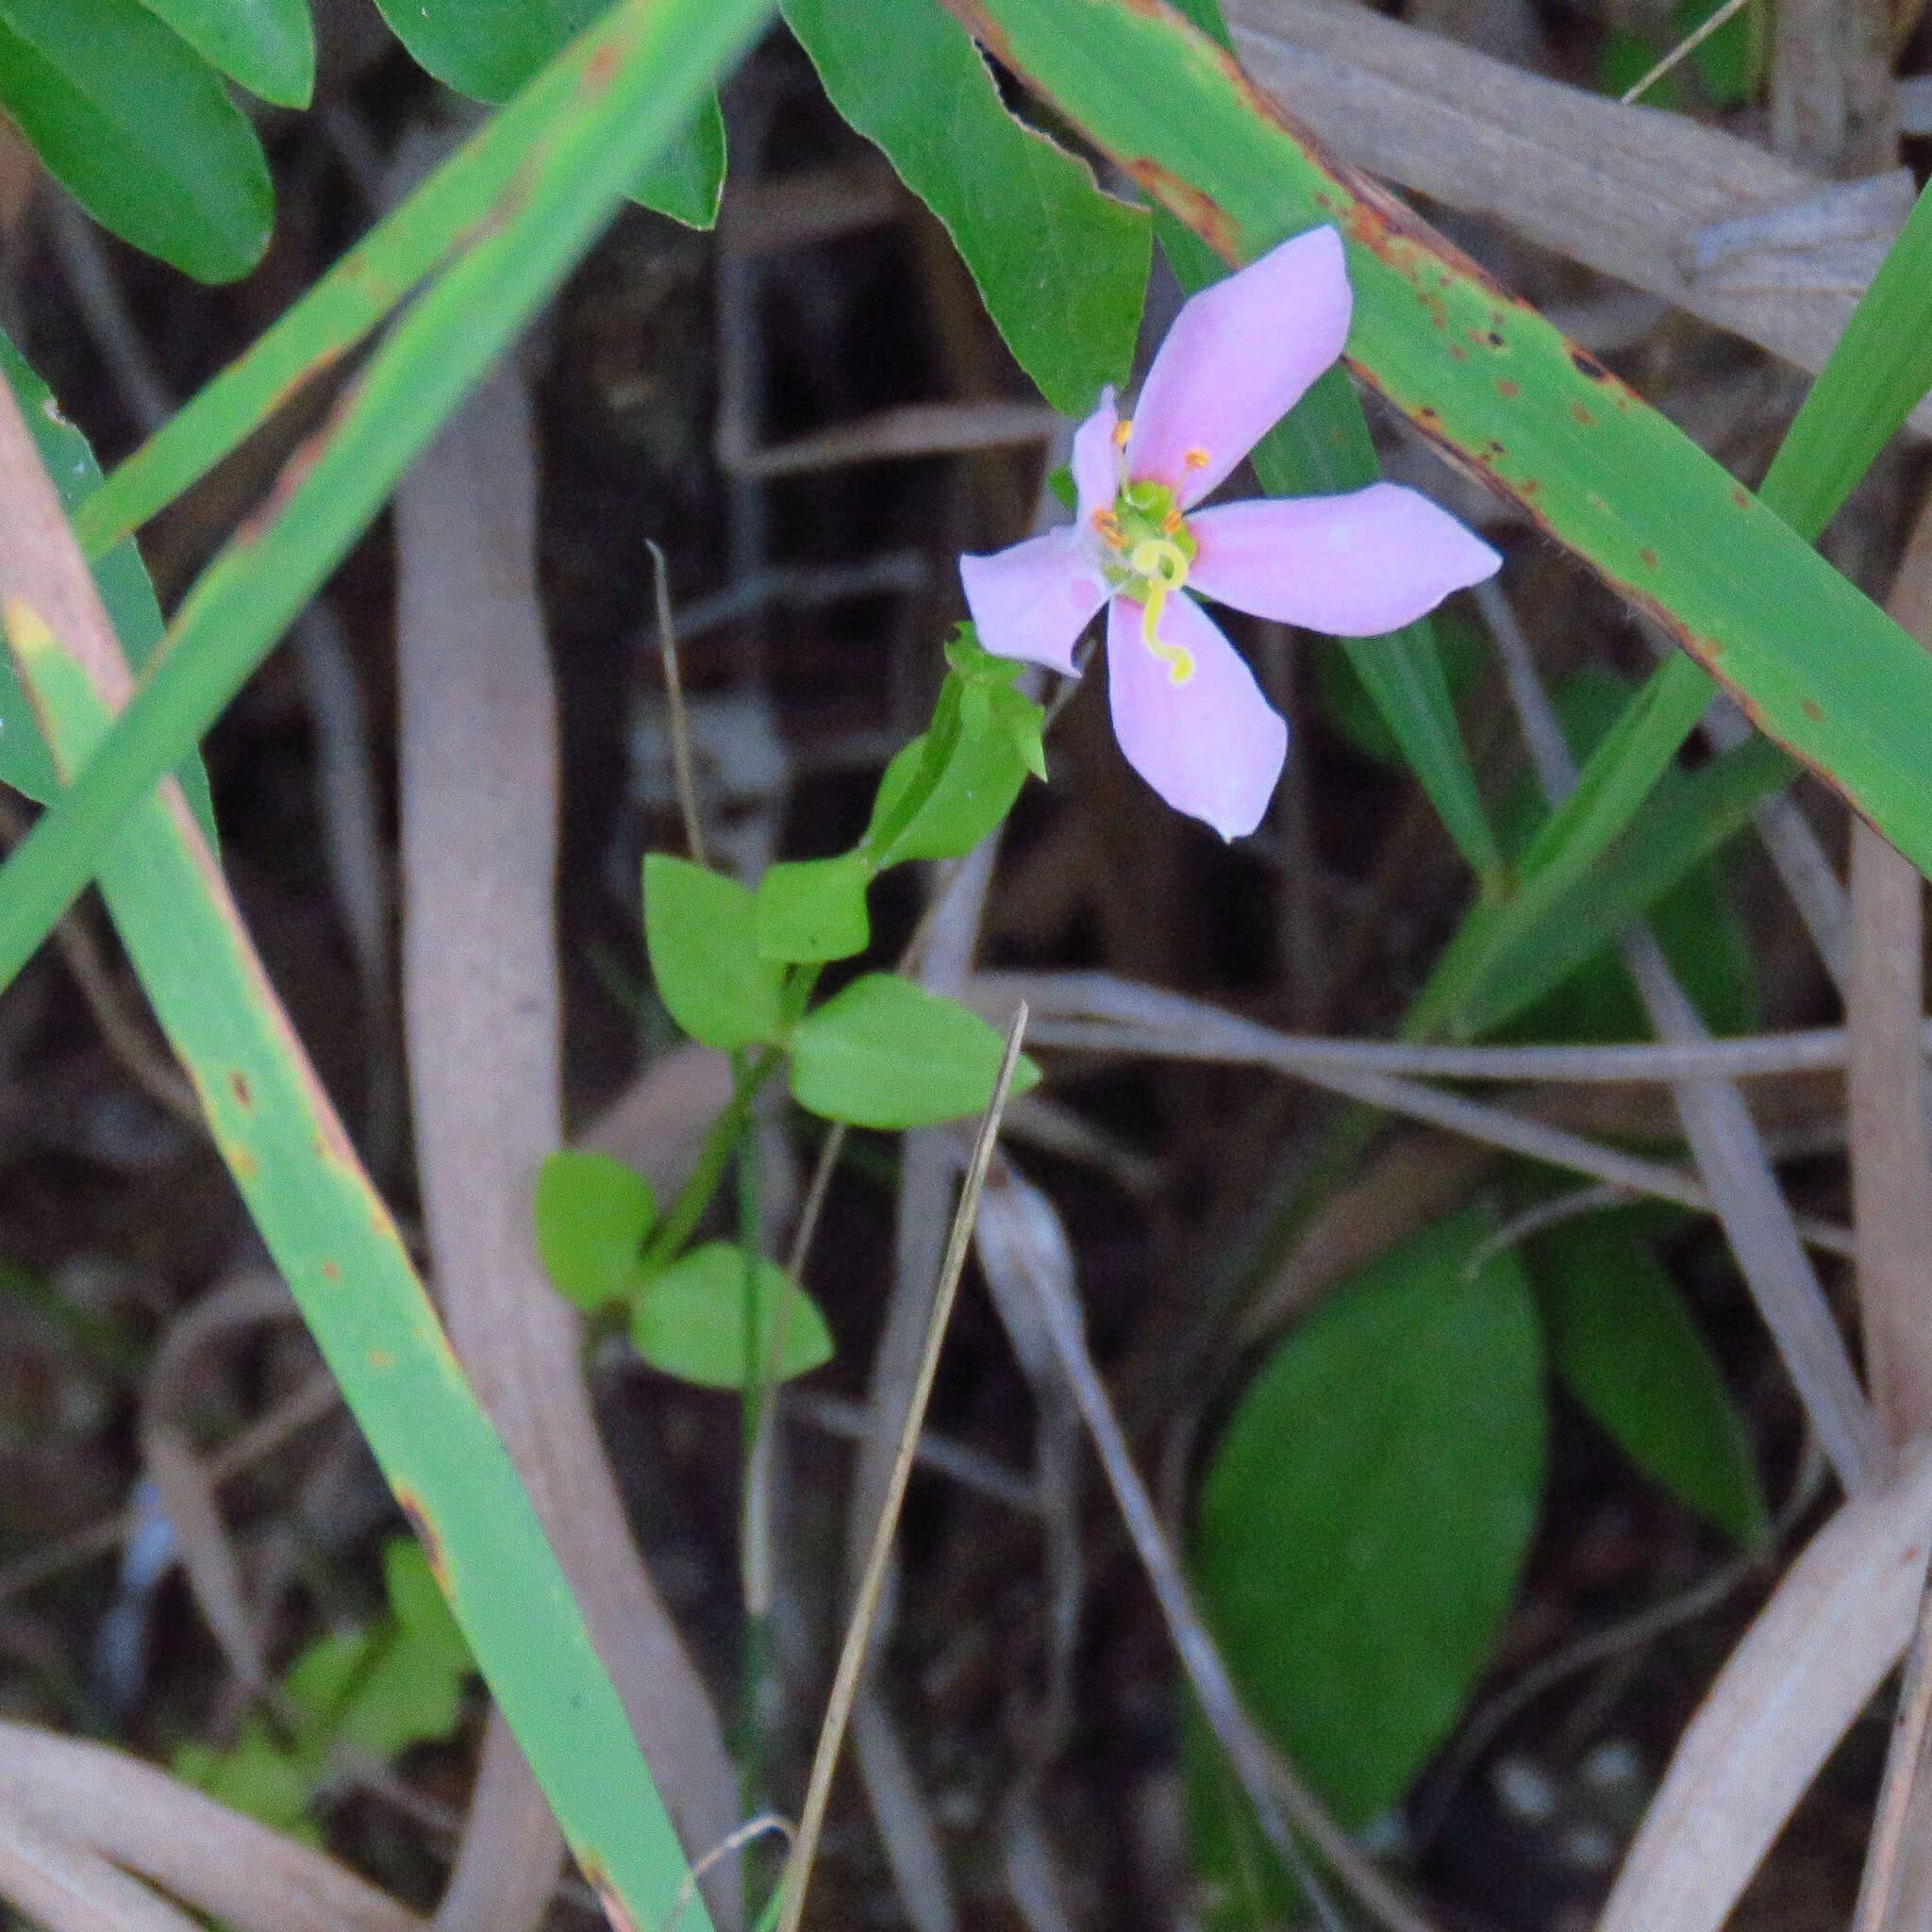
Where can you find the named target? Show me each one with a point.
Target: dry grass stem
(673, 700)
(852, 1657)
(1689, 44)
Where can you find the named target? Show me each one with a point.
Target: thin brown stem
(858, 1630)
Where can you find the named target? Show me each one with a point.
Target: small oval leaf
(701, 931)
(593, 1214)
(690, 1320)
(886, 1054)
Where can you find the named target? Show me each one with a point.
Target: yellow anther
(1196, 459)
(1172, 522)
(1122, 430)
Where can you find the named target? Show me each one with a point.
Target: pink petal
(1034, 600)
(1210, 746)
(1095, 475)
(1354, 566)
(1237, 359)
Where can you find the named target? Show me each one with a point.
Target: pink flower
(1186, 709)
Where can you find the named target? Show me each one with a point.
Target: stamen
(1196, 459)
(1124, 428)
(1172, 522)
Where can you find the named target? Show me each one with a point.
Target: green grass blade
(1877, 371)
(120, 576)
(632, 83)
(342, 1257)
(447, 211)
(1821, 669)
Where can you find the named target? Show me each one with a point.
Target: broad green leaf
(687, 181)
(1826, 673)
(690, 1320)
(701, 932)
(586, 129)
(1368, 1511)
(139, 129)
(1321, 447)
(119, 575)
(486, 48)
(1627, 1349)
(884, 1053)
(810, 909)
(1625, 56)
(593, 1214)
(1062, 267)
(268, 45)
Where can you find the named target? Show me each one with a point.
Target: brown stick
(479, 809)
(1892, 1156)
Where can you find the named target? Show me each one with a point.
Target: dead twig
(858, 1630)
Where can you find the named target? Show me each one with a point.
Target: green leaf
(971, 794)
(1062, 267)
(420, 1608)
(690, 1320)
(593, 1214)
(1368, 1511)
(687, 181)
(1826, 673)
(701, 932)
(1733, 61)
(1627, 1349)
(139, 129)
(267, 46)
(810, 909)
(884, 1053)
(410, 1694)
(486, 48)
(256, 1777)
(1625, 56)
(321, 1680)
(119, 575)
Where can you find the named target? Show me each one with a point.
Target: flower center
(1148, 550)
